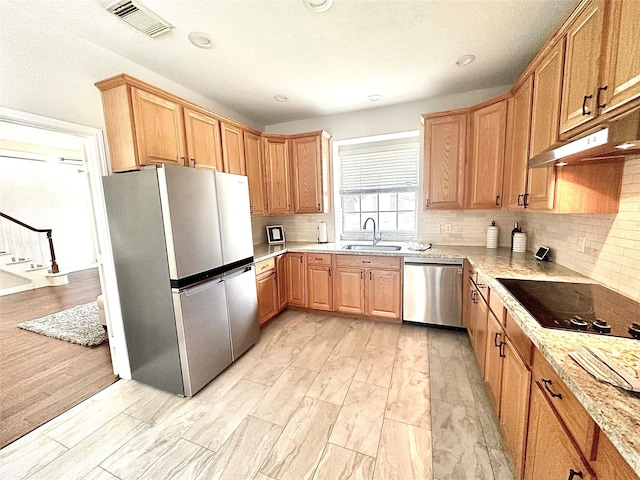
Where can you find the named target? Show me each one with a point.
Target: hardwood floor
(41, 377)
(310, 400)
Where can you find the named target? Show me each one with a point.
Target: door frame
(92, 142)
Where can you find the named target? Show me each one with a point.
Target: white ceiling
(325, 63)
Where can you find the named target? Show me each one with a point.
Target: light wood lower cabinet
(267, 286)
(479, 339)
(296, 279)
(494, 353)
(319, 282)
(551, 453)
(366, 285)
(514, 404)
(281, 275)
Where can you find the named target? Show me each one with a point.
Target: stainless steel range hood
(619, 139)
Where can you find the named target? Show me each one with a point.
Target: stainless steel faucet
(364, 227)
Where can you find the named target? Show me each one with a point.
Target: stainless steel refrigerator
(183, 253)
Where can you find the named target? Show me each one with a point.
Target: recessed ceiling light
(465, 60)
(281, 98)
(201, 40)
(318, 6)
(374, 98)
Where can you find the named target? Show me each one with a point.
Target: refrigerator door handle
(200, 287)
(237, 272)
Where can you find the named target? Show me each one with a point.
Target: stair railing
(21, 241)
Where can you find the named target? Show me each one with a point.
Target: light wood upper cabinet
(488, 125)
(276, 159)
(159, 129)
(445, 139)
(296, 279)
(255, 174)
(551, 452)
(310, 159)
(517, 152)
(547, 91)
(233, 149)
(580, 89)
(621, 66)
(204, 146)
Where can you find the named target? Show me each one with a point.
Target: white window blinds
(379, 167)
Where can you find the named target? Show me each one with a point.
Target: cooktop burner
(582, 307)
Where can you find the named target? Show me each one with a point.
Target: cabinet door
(622, 61)
(547, 89)
(306, 161)
(159, 129)
(493, 363)
(348, 287)
(319, 287)
(517, 154)
(281, 277)
(255, 174)
(551, 453)
(541, 188)
(444, 161)
(514, 404)
(296, 281)
(382, 293)
(581, 67)
(480, 332)
(276, 158)
(233, 149)
(487, 156)
(267, 296)
(204, 146)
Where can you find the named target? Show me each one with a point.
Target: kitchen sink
(373, 248)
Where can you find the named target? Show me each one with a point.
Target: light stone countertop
(615, 410)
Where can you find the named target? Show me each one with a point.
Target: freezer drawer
(204, 341)
(432, 292)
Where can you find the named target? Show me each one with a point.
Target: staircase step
(18, 260)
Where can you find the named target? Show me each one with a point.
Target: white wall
(55, 196)
(49, 71)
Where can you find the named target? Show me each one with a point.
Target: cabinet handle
(318, 207)
(500, 350)
(329, 271)
(551, 392)
(480, 285)
(184, 160)
(193, 161)
(361, 275)
(366, 261)
(495, 340)
(370, 276)
(426, 204)
(316, 258)
(289, 207)
(300, 258)
(584, 105)
(573, 473)
(526, 200)
(250, 208)
(521, 196)
(498, 200)
(600, 90)
(473, 296)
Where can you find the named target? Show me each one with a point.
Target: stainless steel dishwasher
(432, 291)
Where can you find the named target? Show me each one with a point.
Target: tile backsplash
(612, 249)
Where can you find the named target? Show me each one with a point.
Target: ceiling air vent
(140, 17)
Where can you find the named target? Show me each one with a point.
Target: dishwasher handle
(446, 262)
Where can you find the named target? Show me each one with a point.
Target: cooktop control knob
(634, 330)
(601, 326)
(578, 322)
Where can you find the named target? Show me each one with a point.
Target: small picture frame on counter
(543, 254)
(275, 234)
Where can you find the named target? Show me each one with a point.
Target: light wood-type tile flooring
(319, 397)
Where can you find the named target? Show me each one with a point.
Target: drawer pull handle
(501, 351)
(521, 196)
(366, 261)
(600, 90)
(573, 473)
(495, 340)
(316, 258)
(551, 392)
(361, 275)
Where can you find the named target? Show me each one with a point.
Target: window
(379, 179)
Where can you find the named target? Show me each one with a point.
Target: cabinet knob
(600, 90)
(584, 105)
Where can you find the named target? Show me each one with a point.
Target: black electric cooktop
(582, 307)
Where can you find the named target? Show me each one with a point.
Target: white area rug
(78, 324)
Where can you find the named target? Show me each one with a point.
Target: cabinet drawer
(368, 261)
(519, 339)
(497, 307)
(572, 413)
(483, 286)
(267, 265)
(319, 259)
